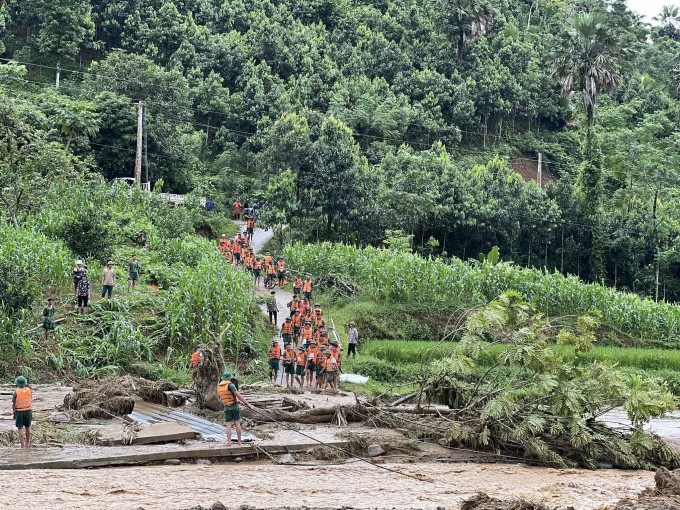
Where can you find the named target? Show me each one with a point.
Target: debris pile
(482, 501)
(665, 494)
(114, 396)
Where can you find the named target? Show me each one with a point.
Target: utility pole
(146, 151)
(539, 173)
(140, 137)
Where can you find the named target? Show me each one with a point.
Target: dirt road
(355, 485)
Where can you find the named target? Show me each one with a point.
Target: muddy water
(356, 485)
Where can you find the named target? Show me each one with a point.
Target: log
(307, 416)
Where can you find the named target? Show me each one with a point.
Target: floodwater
(355, 485)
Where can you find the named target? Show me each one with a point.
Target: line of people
(309, 356)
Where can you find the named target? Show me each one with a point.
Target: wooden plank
(119, 457)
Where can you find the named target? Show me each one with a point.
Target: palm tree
(472, 17)
(587, 59)
(669, 19)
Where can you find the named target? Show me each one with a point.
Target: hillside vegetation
(362, 120)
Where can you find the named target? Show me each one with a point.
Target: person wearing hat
(272, 308)
(227, 390)
(223, 245)
(274, 359)
(257, 271)
(78, 272)
(49, 324)
(320, 365)
(297, 326)
(307, 288)
(311, 361)
(289, 364)
(287, 331)
(133, 272)
(300, 365)
(108, 279)
(297, 286)
(281, 271)
(22, 401)
(353, 340)
(83, 294)
(330, 369)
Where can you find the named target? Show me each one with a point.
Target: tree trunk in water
(656, 245)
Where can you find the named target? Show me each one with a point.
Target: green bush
(89, 234)
(384, 371)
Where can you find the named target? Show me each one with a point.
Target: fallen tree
(525, 399)
(207, 372)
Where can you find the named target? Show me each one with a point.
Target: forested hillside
(369, 121)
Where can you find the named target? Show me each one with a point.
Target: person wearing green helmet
(227, 390)
(300, 365)
(22, 402)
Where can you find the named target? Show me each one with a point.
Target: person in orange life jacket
(317, 309)
(289, 364)
(320, 365)
(330, 371)
(251, 226)
(227, 390)
(274, 357)
(222, 246)
(237, 252)
(297, 326)
(337, 354)
(307, 288)
(300, 365)
(287, 331)
(270, 280)
(281, 271)
(257, 271)
(22, 402)
(195, 359)
(311, 361)
(297, 286)
(318, 321)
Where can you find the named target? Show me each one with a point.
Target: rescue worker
(257, 271)
(289, 364)
(251, 226)
(307, 288)
(287, 331)
(318, 321)
(330, 371)
(319, 361)
(22, 402)
(300, 365)
(274, 358)
(281, 271)
(297, 286)
(237, 252)
(297, 326)
(273, 309)
(222, 246)
(293, 305)
(227, 390)
(271, 275)
(311, 361)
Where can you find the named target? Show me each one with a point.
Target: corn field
(210, 296)
(391, 276)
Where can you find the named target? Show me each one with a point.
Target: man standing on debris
(22, 401)
(353, 340)
(274, 360)
(227, 390)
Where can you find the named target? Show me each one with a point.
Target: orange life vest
(281, 265)
(320, 356)
(271, 269)
(298, 282)
(226, 397)
(311, 352)
(293, 305)
(251, 223)
(267, 259)
(297, 320)
(301, 359)
(307, 333)
(194, 358)
(329, 365)
(319, 322)
(223, 244)
(275, 352)
(290, 357)
(257, 264)
(230, 256)
(307, 287)
(237, 248)
(24, 399)
(287, 328)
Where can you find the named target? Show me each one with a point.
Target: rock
(667, 483)
(238, 459)
(59, 417)
(287, 459)
(204, 462)
(218, 506)
(605, 465)
(172, 462)
(374, 450)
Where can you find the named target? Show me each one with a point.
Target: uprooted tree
(515, 388)
(207, 372)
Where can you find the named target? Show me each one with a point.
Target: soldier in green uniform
(49, 324)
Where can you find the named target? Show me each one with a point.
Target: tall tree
(65, 27)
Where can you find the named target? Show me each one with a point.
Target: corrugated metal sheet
(146, 412)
